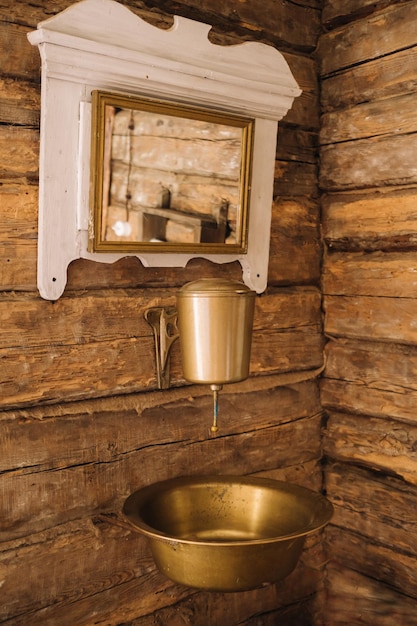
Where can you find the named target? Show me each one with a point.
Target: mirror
(97, 46)
(167, 177)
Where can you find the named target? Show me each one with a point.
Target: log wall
(369, 183)
(82, 423)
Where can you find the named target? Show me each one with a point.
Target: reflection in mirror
(166, 177)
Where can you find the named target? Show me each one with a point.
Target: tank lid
(215, 286)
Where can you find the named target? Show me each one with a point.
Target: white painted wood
(100, 44)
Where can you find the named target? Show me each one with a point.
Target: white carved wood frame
(100, 44)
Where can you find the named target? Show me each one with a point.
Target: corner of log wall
(82, 422)
(368, 179)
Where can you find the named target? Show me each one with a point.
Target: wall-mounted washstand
(225, 533)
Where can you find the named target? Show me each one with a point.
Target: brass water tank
(215, 318)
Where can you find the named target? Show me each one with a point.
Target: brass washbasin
(226, 533)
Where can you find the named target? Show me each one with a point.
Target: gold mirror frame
(207, 227)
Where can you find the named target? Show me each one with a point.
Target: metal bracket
(164, 324)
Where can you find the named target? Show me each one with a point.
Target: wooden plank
(294, 229)
(375, 36)
(394, 568)
(88, 371)
(391, 116)
(384, 444)
(357, 599)
(290, 308)
(373, 504)
(365, 221)
(362, 317)
(380, 78)
(352, 165)
(375, 274)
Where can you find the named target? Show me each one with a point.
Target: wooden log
(352, 165)
(387, 76)
(377, 365)
(394, 568)
(358, 398)
(298, 25)
(378, 35)
(385, 444)
(36, 496)
(357, 599)
(292, 179)
(148, 419)
(117, 557)
(19, 152)
(129, 272)
(289, 308)
(373, 504)
(295, 248)
(18, 233)
(296, 144)
(365, 221)
(391, 116)
(22, 59)
(305, 109)
(291, 608)
(375, 379)
(120, 567)
(375, 274)
(362, 317)
(69, 337)
(19, 103)
(337, 12)
(31, 14)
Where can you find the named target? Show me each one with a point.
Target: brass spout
(215, 389)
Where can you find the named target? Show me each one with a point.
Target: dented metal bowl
(226, 533)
